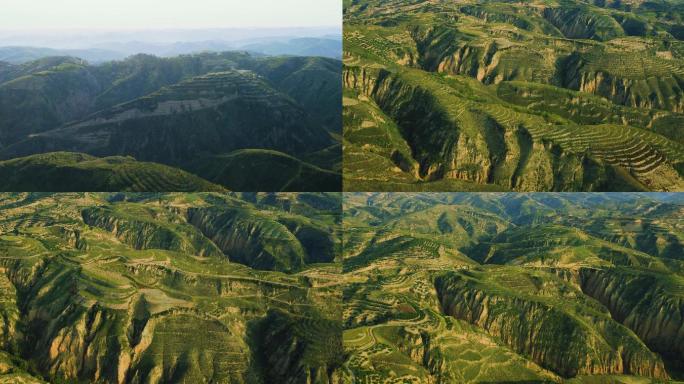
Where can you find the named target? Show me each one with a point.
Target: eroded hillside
(169, 288)
(494, 288)
(531, 96)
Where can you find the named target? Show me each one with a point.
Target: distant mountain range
(98, 46)
(305, 46)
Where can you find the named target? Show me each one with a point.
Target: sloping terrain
(505, 287)
(532, 96)
(68, 172)
(181, 111)
(169, 288)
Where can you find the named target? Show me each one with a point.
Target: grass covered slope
(505, 287)
(65, 171)
(541, 96)
(268, 170)
(179, 111)
(133, 288)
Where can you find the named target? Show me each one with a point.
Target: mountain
(304, 46)
(532, 96)
(179, 111)
(294, 46)
(20, 55)
(508, 287)
(204, 287)
(77, 172)
(244, 287)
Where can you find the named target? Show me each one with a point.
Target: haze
(151, 14)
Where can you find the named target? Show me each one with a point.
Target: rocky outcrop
(66, 337)
(660, 85)
(78, 305)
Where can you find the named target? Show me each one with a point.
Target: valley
(341, 288)
(513, 288)
(532, 96)
(198, 122)
(169, 288)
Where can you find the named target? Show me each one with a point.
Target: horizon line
(110, 29)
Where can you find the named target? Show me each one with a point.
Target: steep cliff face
(652, 83)
(531, 326)
(146, 234)
(249, 239)
(495, 62)
(577, 68)
(78, 305)
(9, 313)
(651, 305)
(320, 246)
(437, 143)
(217, 353)
(23, 101)
(70, 337)
(580, 23)
(618, 77)
(433, 43)
(448, 50)
(67, 337)
(299, 352)
(473, 288)
(14, 370)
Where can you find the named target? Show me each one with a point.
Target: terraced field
(214, 115)
(502, 288)
(169, 288)
(537, 96)
(65, 171)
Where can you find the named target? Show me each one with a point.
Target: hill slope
(126, 288)
(540, 96)
(506, 287)
(173, 111)
(63, 171)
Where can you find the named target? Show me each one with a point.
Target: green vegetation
(284, 172)
(322, 288)
(196, 113)
(536, 96)
(168, 288)
(65, 171)
(506, 287)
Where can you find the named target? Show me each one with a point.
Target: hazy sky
(114, 14)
